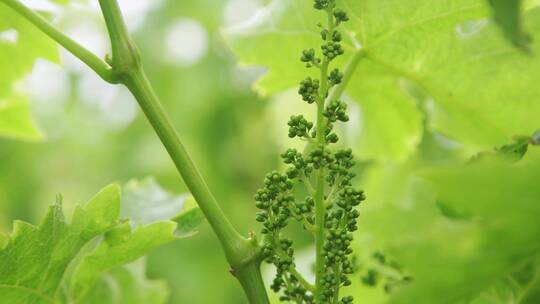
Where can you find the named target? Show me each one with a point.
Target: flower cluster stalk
(328, 211)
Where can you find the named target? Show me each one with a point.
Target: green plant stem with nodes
(328, 210)
(243, 254)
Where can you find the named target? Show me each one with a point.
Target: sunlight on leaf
(479, 86)
(145, 201)
(128, 284)
(126, 246)
(189, 219)
(20, 45)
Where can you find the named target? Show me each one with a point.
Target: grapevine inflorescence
(333, 193)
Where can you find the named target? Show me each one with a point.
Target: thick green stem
(242, 254)
(95, 63)
(139, 86)
(251, 280)
(337, 274)
(127, 67)
(319, 211)
(338, 90)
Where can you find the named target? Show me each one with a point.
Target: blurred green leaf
(273, 38)
(4, 239)
(512, 152)
(21, 43)
(481, 91)
(531, 293)
(15, 120)
(502, 238)
(514, 288)
(61, 1)
(507, 15)
(391, 123)
(459, 259)
(128, 284)
(145, 201)
(189, 219)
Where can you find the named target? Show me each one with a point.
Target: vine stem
(320, 207)
(125, 67)
(338, 90)
(141, 89)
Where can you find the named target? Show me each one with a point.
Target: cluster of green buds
(309, 89)
(328, 209)
(278, 206)
(299, 126)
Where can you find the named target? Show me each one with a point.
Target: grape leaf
(128, 284)
(504, 201)
(121, 246)
(145, 201)
(391, 121)
(35, 258)
(15, 119)
(21, 43)
(189, 219)
(58, 262)
(511, 152)
(460, 258)
(482, 92)
(514, 288)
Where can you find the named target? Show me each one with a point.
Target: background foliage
(437, 83)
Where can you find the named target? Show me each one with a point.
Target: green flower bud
(341, 16)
